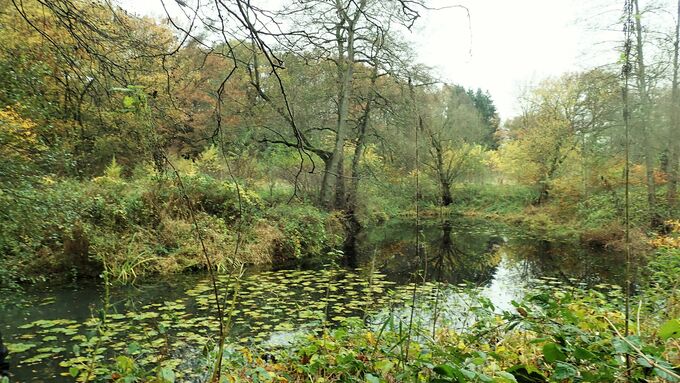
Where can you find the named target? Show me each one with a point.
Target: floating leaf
(37, 358)
(16, 348)
(166, 375)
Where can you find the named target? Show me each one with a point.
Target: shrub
(304, 230)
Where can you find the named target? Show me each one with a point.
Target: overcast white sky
(512, 44)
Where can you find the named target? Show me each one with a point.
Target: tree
(349, 34)
(674, 126)
(487, 110)
(563, 117)
(453, 127)
(643, 89)
(78, 54)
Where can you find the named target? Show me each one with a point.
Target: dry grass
(263, 244)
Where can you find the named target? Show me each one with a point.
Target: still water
(49, 329)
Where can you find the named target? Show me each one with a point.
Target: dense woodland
(133, 147)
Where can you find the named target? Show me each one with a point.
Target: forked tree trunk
(353, 192)
(344, 38)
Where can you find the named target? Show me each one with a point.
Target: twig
(639, 352)
(213, 279)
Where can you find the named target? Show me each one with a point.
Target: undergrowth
(140, 225)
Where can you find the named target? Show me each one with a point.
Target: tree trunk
(345, 72)
(444, 180)
(326, 185)
(543, 192)
(544, 184)
(340, 195)
(447, 199)
(158, 159)
(352, 199)
(655, 220)
(674, 131)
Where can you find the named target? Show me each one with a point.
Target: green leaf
(74, 371)
(16, 348)
(564, 371)
(166, 375)
(643, 362)
(670, 329)
(478, 361)
(468, 374)
(451, 372)
(384, 366)
(124, 363)
(538, 340)
(663, 368)
(445, 370)
(620, 346)
(370, 378)
(553, 353)
(134, 348)
(128, 101)
(665, 375)
(583, 354)
(527, 374)
(506, 377)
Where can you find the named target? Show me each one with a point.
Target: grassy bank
(138, 222)
(141, 224)
(596, 220)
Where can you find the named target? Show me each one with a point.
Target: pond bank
(595, 222)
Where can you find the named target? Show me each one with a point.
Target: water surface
(50, 329)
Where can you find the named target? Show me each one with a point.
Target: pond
(49, 329)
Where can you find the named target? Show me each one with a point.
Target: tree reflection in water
(467, 251)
